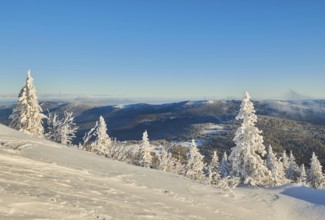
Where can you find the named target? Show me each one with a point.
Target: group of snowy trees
(27, 117)
(196, 169)
(103, 143)
(61, 130)
(248, 163)
(285, 169)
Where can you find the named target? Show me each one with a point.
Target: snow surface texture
(44, 180)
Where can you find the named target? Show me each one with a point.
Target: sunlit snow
(44, 180)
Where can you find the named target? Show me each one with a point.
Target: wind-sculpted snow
(43, 180)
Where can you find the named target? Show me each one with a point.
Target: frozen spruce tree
(285, 160)
(302, 175)
(275, 166)
(178, 167)
(214, 169)
(102, 143)
(315, 176)
(245, 158)
(87, 138)
(53, 126)
(224, 167)
(61, 130)
(292, 172)
(68, 128)
(27, 116)
(145, 158)
(195, 165)
(166, 162)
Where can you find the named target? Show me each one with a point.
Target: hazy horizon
(110, 100)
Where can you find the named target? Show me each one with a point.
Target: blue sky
(164, 48)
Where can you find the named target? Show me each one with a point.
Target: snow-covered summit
(43, 180)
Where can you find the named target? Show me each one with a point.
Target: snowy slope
(43, 180)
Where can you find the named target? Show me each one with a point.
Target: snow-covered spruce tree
(315, 175)
(166, 162)
(245, 158)
(27, 116)
(145, 158)
(87, 137)
(292, 172)
(68, 128)
(194, 167)
(275, 166)
(102, 143)
(226, 181)
(178, 167)
(53, 126)
(214, 169)
(61, 130)
(302, 175)
(224, 167)
(285, 160)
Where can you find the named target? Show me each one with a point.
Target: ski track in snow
(43, 180)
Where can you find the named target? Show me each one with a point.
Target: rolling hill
(44, 180)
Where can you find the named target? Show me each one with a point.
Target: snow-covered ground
(198, 142)
(213, 129)
(43, 180)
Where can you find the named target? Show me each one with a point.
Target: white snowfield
(43, 180)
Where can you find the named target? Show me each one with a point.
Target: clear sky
(164, 48)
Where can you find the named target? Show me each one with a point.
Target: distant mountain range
(297, 125)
